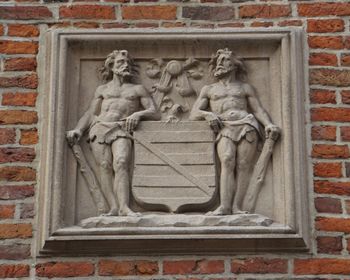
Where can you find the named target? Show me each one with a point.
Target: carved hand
(214, 122)
(272, 131)
(131, 122)
(73, 136)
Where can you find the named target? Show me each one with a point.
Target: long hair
(240, 67)
(106, 70)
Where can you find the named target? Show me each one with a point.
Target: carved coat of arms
(171, 147)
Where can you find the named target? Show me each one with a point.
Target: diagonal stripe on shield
(174, 165)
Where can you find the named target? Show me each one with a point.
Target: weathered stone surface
(180, 220)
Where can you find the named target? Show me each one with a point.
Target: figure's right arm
(199, 110)
(202, 103)
(85, 121)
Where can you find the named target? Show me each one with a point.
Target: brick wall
(22, 27)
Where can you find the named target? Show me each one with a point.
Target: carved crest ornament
(186, 158)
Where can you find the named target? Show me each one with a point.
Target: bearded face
(121, 66)
(224, 66)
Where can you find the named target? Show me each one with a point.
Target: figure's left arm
(260, 113)
(149, 110)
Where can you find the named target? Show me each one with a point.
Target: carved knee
(243, 164)
(106, 165)
(120, 164)
(228, 161)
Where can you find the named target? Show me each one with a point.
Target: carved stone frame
(56, 239)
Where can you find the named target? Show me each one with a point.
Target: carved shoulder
(100, 90)
(248, 89)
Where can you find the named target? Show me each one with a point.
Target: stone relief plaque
(171, 137)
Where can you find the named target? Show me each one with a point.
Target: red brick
(326, 187)
(20, 64)
(323, 133)
(211, 266)
(324, 59)
(290, 23)
(60, 25)
(8, 231)
(18, 117)
(7, 136)
(324, 9)
(26, 81)
(27, 211)
(319, 96)
(179, 267)
(87, 12)
(261, 24)
(115, 25)
(264, 11)
(321, 266)
(330, 114)
(347, 42)
(166, 12)
(146, 24)
(326, 42)
(328, 205)
(209, 13)
(17, 173)
(333, 224)
(325, 25)
(345, 96)
(259, 266)
(328, 169)
(330, 151)
(19, 99)
(122, 268)
(23, 30)
(7, 211)
(173, 24)
(14, 252)
(14, 270)
(29, 137)
(193, 267)
(64, 269)
(2, 30)
(84, 24)
(25, 12)
(330, 77)
(345, 59)
(345, 133)
(329, 244)
(17, 47)
(16, 192)
(16, 155)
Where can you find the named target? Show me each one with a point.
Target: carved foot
(220, 211)
(113, 212)
(237, 211)
(128, 212)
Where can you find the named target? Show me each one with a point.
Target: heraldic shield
(174, 165)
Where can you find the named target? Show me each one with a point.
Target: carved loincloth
(237, 129)
(106, 132)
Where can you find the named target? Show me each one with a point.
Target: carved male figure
(114, 113)
(224, 105)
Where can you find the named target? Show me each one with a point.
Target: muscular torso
(118, 103)
(229, 102)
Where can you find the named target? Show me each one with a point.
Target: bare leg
(121, 164)
(246, 151)
(103, 157)
(226, 150)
